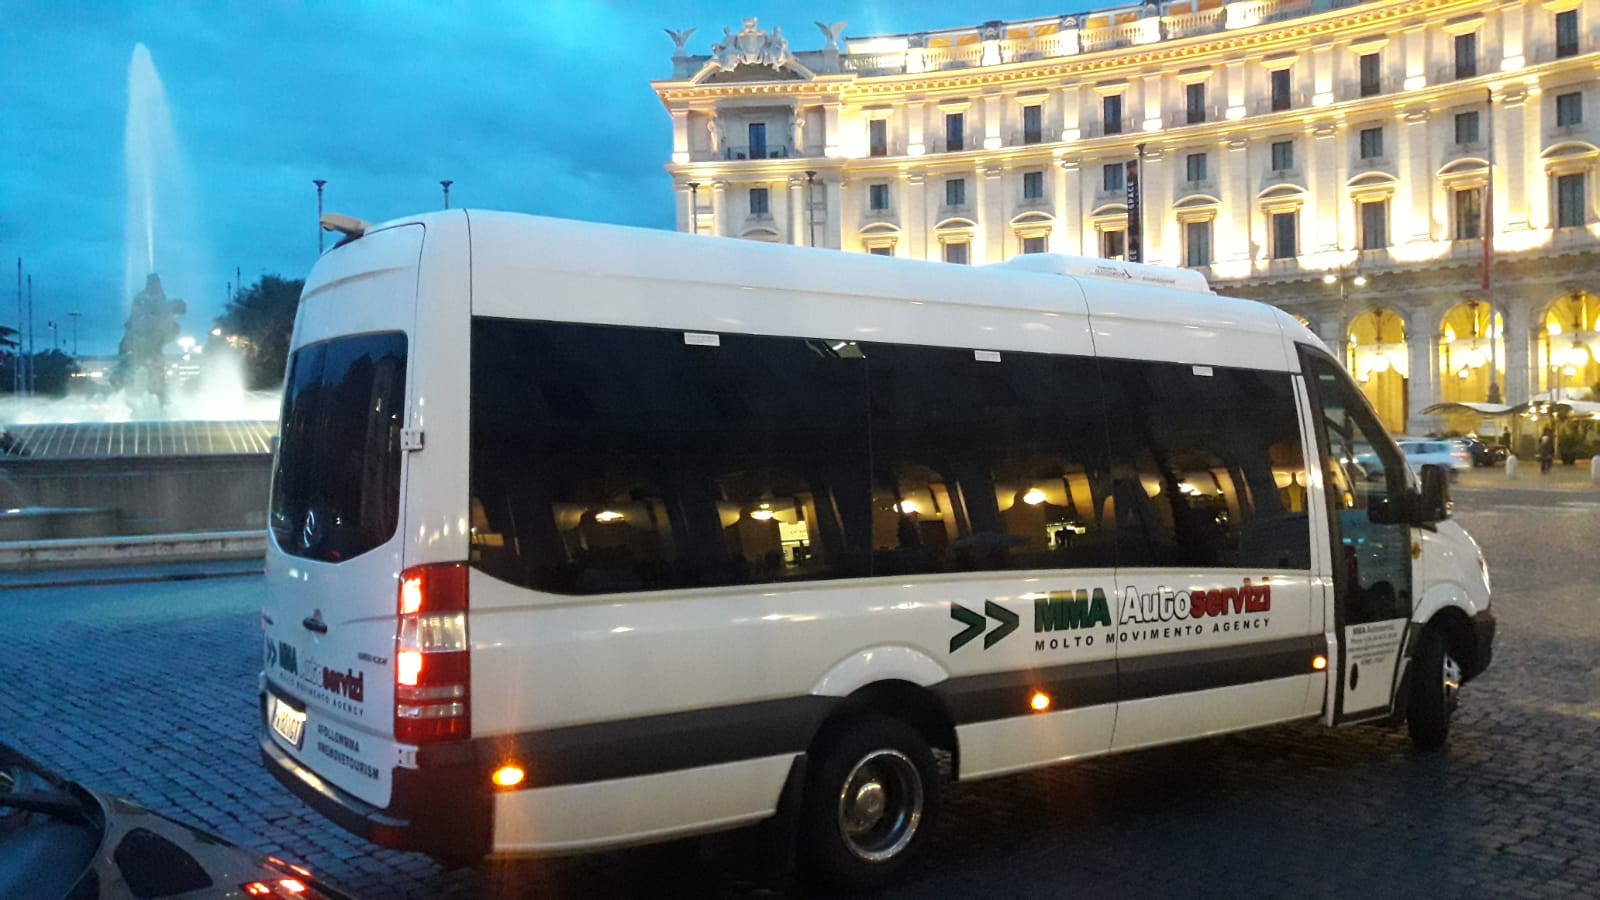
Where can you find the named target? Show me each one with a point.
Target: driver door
(1367, 482)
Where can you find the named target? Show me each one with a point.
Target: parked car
(1482, 454)
(1438, 452)
(59, 839)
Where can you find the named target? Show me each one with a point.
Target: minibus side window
(1208, 466)
(984, 464)
(609, 459)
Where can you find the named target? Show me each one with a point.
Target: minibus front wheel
(871, 799)
(1435, 687)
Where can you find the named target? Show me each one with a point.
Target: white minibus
(586, 536)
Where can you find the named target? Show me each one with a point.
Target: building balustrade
(1297, 100)
(1213, 112)
(746, 151)
(1450, 72)
(1103, 30)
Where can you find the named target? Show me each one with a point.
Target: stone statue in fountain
(141, 368)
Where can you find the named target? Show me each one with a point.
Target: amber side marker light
(1040, 701)
(508, 776)
(1319, 662)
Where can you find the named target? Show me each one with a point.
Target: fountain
(99, 462)
(163, 230)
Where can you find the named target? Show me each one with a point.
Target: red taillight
(432, 661)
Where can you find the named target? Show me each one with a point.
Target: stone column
(719, 208)
(1536, 188)
(1156, 190)
(1515, 172)
(1520, 341)
(797, 210)
(1071, 129)
(916, 116)
(1422, 346)
(990, 211)
(1067, 236)
(830, 130)
(913, 215)
(993, 104)
(833, 211)
(1233, 239)
(1409, 212)
(680, 135)
(1325, 169)
(1344, 213)
(1235, 87)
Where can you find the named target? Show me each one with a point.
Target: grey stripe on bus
(652, 745)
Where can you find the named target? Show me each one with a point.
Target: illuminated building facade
(1333, 158)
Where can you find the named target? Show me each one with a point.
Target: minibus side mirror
(1434, 503)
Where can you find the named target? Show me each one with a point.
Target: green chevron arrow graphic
(974, 622)
(1006, 618)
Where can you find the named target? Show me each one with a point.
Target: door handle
(317, 625)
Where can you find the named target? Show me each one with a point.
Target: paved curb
(76, 553)
(102, 576)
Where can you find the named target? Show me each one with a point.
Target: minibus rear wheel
(1435, 684)
(871, 799)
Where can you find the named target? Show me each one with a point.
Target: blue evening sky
(540, 107)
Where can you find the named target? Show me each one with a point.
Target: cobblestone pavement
(148, 691)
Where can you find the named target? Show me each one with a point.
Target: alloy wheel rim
(880, 805)
(1452, 683)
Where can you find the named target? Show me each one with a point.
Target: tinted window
(1207, 467)
(336, 488)
(619, 459)
(985, 464)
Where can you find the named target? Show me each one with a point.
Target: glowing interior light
(410, 595)
(1040, 701)
(1319, 662)
(908, 507)
(408, 665)
(508, 776)
(761, 515)
(1033, 497)
(609, 515)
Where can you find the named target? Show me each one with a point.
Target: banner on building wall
(1135, 249)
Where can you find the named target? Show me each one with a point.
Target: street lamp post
(446, 185)
(811, 208)
(694, 207)
(319, 182)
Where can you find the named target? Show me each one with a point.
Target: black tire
(871, 760)
(1435, 683)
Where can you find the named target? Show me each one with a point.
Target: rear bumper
(1483, 628)
(439, 811)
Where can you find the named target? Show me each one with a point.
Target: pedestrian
(1505, 438)
(1547, 450)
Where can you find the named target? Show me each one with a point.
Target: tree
(52, 372)
(9, 353)
(259, 321)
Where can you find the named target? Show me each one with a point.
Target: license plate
(287, 722)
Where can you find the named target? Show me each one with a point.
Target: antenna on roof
(349, 226)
